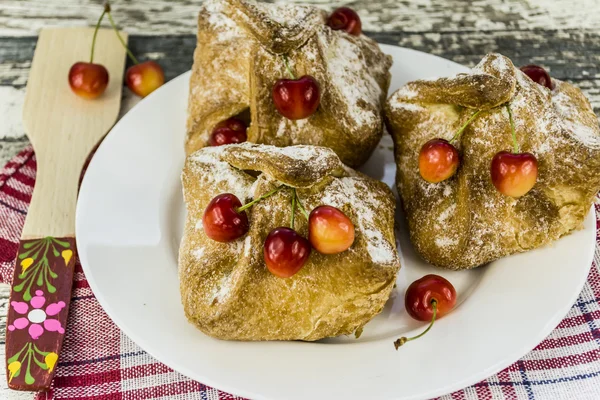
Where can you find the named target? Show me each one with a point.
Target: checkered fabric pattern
(99, 362)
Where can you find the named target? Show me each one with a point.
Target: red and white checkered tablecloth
(99, 362)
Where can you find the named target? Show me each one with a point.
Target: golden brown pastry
(465, 221)
(226, 288)
(240, 55)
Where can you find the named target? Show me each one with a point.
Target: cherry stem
(287, 66)
(300, 206)
(129, 53)
(516, 149)
(460, 131)
(293, 207)
(95, 35)
(264, 196)
(403, 339)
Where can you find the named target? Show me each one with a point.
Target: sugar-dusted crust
(226, 288)
(240, 55)
(465, 222)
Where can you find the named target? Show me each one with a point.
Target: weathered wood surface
(26, 17)
(562, 35)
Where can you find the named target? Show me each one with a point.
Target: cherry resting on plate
(427, 299)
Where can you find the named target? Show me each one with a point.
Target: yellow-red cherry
(222, 221)
(345, 19)
(514, 174)
(88, 80)
(230, 131)
(285, 252)
(330, 231)
(438, 160)
(296, 98)
(144, 78)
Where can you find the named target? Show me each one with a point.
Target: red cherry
(285, 252)
(144, 78)
(230, 131)
(221, 220)
(514, 174)
(88, 80)
(422, 292)
(438, 160)
(330, 231)
(345, 19)
(296, 98)
(539, 75)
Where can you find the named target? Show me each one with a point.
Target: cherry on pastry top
(330, 231)
(539, 75)
(346, 19)
(427, 299)
(230, 131)
(439, 158)
(514, 173)
(285, 251)
(296, 98)
(223, 219)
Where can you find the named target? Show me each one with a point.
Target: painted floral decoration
(35, 317)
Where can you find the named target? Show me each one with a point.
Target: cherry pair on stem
(513, 173)
(285, 251)
(89, 80)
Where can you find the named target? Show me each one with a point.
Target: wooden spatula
(63, 129)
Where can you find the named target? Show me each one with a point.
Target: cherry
(330, 231)
(345, 19)
(539, 75)
(88, 80)
(285, 252)
(144, 78)
(223, 221)
(514, 174)
(230, 131)
(296, 98)
(426, 299)
(141, 78)
(438, 160)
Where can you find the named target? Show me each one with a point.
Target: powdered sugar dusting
(284, 14)
(570, 121)
(349, 74)
(226, 27)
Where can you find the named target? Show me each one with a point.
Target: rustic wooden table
(562, 35)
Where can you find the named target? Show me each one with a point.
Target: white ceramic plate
(129, 222)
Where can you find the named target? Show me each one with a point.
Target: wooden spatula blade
(63, 129)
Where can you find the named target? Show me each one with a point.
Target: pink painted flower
(37, 317)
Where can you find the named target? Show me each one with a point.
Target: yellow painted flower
(66, 255)
(50, 360)
(13, 368)
(26, 263)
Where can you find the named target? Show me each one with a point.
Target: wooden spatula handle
(37, 314)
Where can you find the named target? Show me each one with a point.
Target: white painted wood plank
(26, 17)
